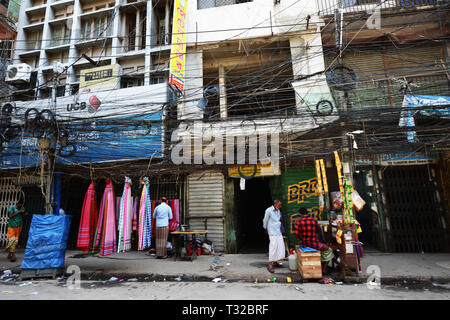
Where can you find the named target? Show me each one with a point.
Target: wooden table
(182, 236)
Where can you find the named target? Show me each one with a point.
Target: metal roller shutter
(205, 200)
(9, 195)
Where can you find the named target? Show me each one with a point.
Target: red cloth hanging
(88, 221)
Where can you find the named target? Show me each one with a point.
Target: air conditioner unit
(17, 73)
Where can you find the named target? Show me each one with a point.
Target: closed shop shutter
(414, 209)
(9, 195)
(414, 61)
(419, 64)
(372, 90)
(205, 200)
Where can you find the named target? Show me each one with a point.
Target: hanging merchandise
(106, 227)
(339, 172)
(348, 210)
(125, 218)
(145, 216)
(319, 178)
(89, 219)
(175, 222)
(324, 176)
(134, 220)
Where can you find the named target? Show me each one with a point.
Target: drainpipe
(57, 193)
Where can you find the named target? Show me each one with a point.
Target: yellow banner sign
(249, 170)
(106, 77)
(178, 53)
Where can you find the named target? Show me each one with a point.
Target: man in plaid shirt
(307, 231)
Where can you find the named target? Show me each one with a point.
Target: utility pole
(49, 194)
(347, 163)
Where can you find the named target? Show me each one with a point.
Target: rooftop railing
(328, 7)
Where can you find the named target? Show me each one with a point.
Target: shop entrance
(251, 205)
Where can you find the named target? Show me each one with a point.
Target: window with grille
(204, 4)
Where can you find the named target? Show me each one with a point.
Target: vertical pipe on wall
(57, 193)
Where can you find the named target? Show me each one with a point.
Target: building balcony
(59, 21)
(96, 13)
(328, 7)
(58, 45)
(34, 26)
(39, 9)
(86, 42)
(61, 4)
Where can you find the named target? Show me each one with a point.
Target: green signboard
(298, 189)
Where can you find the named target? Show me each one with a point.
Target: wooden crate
(309, 264)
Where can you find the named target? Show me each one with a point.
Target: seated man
(307, 231)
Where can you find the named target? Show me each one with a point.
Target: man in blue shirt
(162, 215)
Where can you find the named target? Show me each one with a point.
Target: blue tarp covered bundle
(47, 241)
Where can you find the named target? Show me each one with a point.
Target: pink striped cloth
(125, 218)
(106, 229)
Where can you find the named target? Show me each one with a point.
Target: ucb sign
(79, 106)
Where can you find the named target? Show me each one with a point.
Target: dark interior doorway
(251, 206)
(366, 216)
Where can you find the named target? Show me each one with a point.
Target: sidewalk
(434, 267)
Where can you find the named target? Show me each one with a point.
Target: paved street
(168, 290)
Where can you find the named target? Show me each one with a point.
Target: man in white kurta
(272, 225)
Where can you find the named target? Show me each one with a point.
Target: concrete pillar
(167, 24)
(20, 44)
(46, 36)
(193, 88)
(307, 59)
(148, 42)
(116, 50)
(223, 93)
(137, 42)
(73, 52)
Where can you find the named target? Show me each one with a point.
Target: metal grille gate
(414, 210)
(9, 195)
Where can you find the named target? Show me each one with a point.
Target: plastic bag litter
(25, 284)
